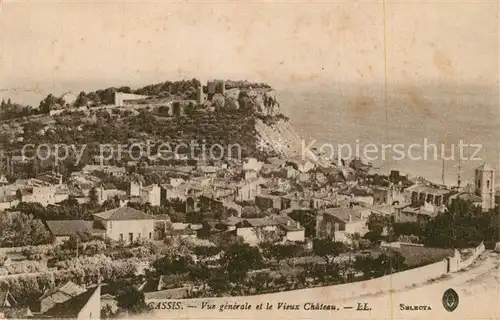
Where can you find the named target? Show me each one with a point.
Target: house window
(328, 227)
(139, 235)
(110, 225)
(130, 237)
(150, 235)
(488, 184)
(121, 236)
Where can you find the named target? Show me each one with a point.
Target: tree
(199, 272)
(190, 109)
(461, 225)
(328, 249)
(218, 281)
(239, 259)
(407, 228)
(132, 300)
(21, 229)
(93, 197)
(47, 103)
(94, 98)
(386, 263)
(82, 100)
(106, 312)
(172, 264)
(282, 251)
(376, 223)
(204, 252)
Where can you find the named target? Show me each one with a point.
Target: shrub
(26, 267)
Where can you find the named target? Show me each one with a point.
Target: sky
(72, 46)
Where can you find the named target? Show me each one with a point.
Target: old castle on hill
(216, 93)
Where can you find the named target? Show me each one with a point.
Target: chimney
(350, 217)
(298, 225)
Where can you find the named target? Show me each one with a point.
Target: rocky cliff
(280, 137)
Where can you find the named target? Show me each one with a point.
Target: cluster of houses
(260, 196)
(274, 188)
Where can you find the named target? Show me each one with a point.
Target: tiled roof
(418, 210)
(123, 213)
(177, 293)
(67, 227)
(344, 213)
(69, 288)
(431, 190)
(286, 222)
(469, 197)
(109, 186)
(260, 222)
(72, 307)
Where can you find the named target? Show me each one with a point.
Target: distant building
(44, 195)
(272, 228)
(181, 230)
(435, 196)
(340, 223)
(151, 194)
(57, 295)
(247, 190)
(200, 96)
(467, 196)
(122, 98)
(414, 212)
(485, 186)
(126, 224)
(386, 196)
(86, 305)
(108, 191)
(63, 229)
(215, 87)
(268, 201)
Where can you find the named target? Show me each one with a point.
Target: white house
(126, 224)
(151, 194)
(272, 228)
(341, 223)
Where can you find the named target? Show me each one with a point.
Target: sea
(405, 115)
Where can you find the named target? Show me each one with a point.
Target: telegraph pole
(442, 172)
(459, 179)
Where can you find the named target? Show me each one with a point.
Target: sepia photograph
(250, 159)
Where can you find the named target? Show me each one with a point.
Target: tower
(485, 186)
(199, 95)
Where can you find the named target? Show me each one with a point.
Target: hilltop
(219, 113)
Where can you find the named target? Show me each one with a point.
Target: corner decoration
(450, 300)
